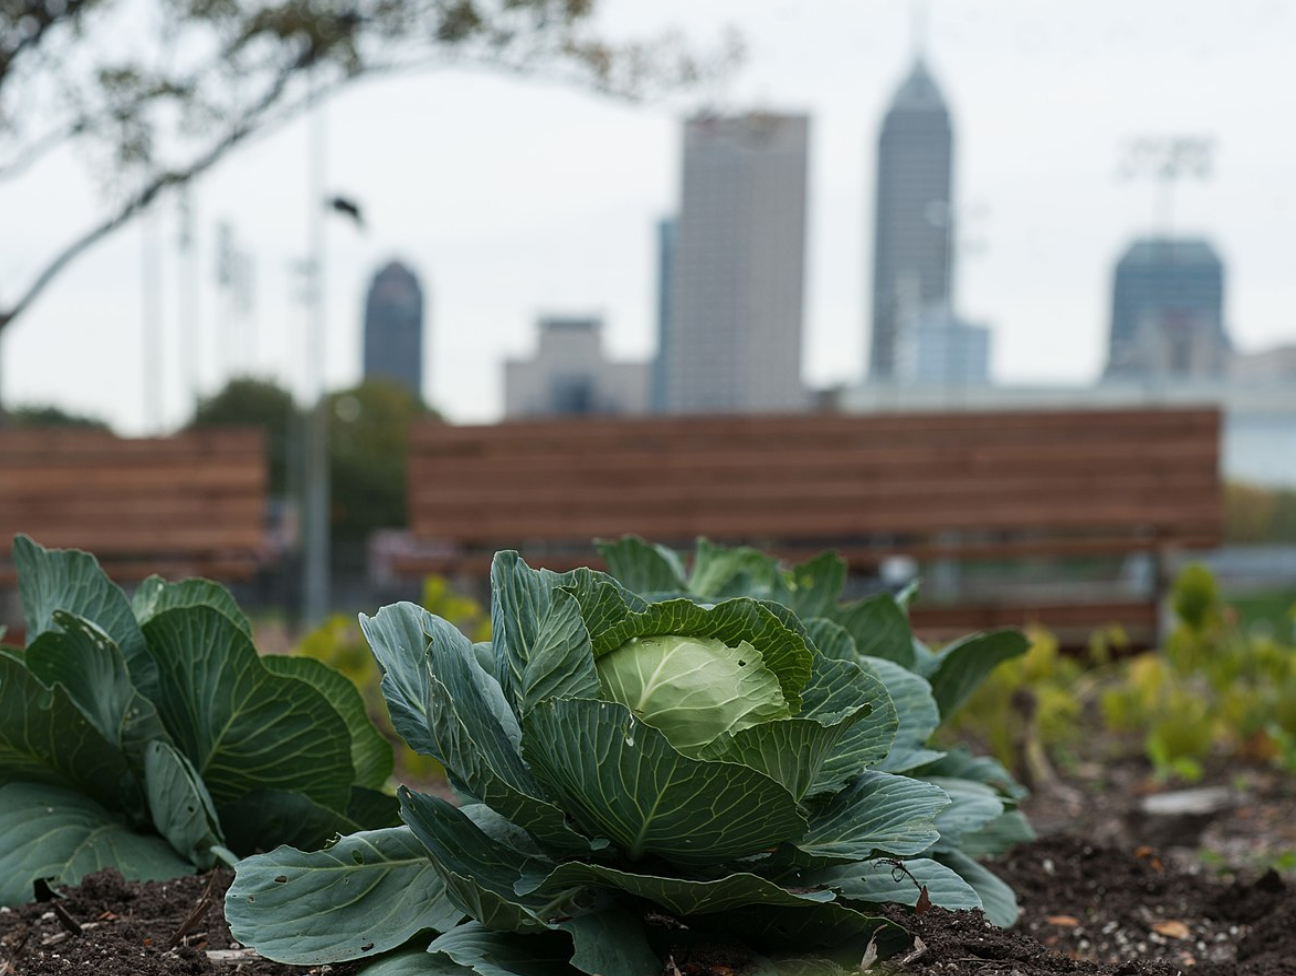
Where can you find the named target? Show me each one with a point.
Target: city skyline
(526, 195)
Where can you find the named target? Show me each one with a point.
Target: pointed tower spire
(918, 12)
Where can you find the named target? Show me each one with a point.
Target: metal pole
(151, 285)
(316, 503)
(189, 328)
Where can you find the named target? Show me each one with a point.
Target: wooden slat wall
(192, 503)
(962, 486)
(1129, 478)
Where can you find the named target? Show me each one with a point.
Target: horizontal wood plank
(193, 503)
(986, 485)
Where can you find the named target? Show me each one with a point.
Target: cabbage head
(637, 772)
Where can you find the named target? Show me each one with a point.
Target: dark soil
(124, 928)
(1107, 889)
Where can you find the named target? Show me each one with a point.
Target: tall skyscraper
(913, 217)
(1168, 310)
(393, 330)
(732, 336)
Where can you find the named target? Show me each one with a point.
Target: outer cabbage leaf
(264, 819)
(719, 572)
(972, 807)
(71, 580)
(488, 953)
(917, 714)
(156, 595)
(867, 742)
(831, 640)
(398, 637)
(481, 872)
(679, 896)
(814, 585)
(622, 778)
(611, 940)
(878, 813)
(644, 567)
(45, 737)
(520, 599)
(998, 836)
(884, 881)
(997, 899)
(371, 754)
(368, 893)
(92, 670)
(880, 628)
(223, 707)
(560, 663)
(478, 736)
(52, 832)
(181, 808)
(960, 763)
(959, 668)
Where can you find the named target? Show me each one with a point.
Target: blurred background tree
(1254, 515)
(52, 417)
(368, 447)
(248, 402)
(153, 94)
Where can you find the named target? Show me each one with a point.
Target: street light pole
(316, 494)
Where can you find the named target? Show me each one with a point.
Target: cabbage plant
(642, 771)
(147, 734)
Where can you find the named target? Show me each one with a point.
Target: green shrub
(1213, 690)
(149, 736)
(648, 756)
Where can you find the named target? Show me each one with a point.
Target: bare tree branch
(137, 111)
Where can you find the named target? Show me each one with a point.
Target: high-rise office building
(732, 335)
(1168, 311)
(393, 329)
(913, 216)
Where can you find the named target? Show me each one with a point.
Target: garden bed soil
(1107, 889)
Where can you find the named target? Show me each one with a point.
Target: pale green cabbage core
(694, 689)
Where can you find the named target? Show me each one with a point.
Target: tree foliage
(249, 402)
(368, 449)
(1255, 515)
(155, 93)
(50, 416)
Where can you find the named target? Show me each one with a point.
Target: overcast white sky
(513, 198)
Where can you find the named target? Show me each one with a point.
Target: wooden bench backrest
(190, 504)
(959, 484)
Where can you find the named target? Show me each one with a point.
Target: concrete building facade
(732, 331)
(570, 375)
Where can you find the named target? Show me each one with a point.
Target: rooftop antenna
(918, 20)
(1165, 160)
